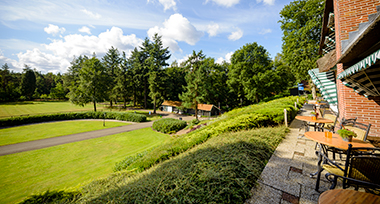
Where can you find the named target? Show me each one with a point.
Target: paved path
(39, 144)
(286, 177)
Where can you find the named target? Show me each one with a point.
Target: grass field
(33, 108)
(68, 165)
(47, 130)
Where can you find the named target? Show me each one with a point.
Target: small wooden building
(203, 109)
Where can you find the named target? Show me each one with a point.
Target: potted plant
(346, 134)
(314, 114)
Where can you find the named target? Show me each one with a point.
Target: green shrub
(52, 197)
(133, 117)
(169, 125)
(222, 170)
(127, 161)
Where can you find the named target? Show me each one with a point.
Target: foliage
(14, 121)
(346, 133)
(195, 79)
(250, 74)
(169, 125)
(111, 62)
(28, 83)
(301, 23)
(54, 196)
(254, 116)
(9, 82)
(92, 83)
(222, 170)
(128, 161)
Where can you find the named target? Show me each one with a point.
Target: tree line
(146, 79)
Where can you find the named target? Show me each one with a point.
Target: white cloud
(227, 58)
(85, 29)
(226, 3)
(269, 2)
(59, 53)
(168, 4)
(53, 29)
(236, 35)
(265, 31)
(213, 29)
(91, 14)
(176, 28)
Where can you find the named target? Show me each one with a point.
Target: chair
(361, 169)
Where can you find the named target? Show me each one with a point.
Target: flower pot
(347, 139)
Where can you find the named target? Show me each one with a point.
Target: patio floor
(285, 178)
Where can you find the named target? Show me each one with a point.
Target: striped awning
(364, 76)
(325, 82)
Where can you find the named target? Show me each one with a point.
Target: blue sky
(47, 34)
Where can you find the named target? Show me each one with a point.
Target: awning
(364, 76)
(325, 82)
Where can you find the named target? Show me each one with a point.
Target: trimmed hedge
(133, 117)
(169, 125)
(259, 115)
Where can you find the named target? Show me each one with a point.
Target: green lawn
(68, 165)
(33, 108)
(47, 130)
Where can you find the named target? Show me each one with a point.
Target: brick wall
(348, 15)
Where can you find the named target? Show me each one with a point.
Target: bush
(127, 161)
(133, 117)
(169, 125)
(52, 197)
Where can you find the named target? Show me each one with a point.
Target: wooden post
(295, 105)
(286, 118)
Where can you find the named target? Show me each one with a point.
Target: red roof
(205, 107)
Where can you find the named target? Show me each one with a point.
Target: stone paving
(285, 178)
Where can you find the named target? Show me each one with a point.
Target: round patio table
(335, 141)
(345, 196)
(309, 119)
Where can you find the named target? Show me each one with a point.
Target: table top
(316, 103)
(310, 119)
(345, 196)
(336, 140)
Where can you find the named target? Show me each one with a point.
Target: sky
(46, 35)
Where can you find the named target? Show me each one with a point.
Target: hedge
(14, 121)
(169, 125)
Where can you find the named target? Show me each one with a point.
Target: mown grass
(26, 133)
(68, 165)
(34, 108)
(222, 170)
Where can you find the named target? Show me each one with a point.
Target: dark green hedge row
(169, 125)
(133, 117)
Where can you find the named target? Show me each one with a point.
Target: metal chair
(361, 169)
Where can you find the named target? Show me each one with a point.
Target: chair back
(360, 129)
(363, 164)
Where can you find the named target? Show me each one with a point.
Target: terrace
(286, 177)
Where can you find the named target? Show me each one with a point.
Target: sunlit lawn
(70, 164)
(35, 107)
(47, 130)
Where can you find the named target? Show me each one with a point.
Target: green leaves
(301, 23)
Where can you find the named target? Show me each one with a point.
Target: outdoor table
(345, 196)
(336, 141)
(316, 103)
(307, 119)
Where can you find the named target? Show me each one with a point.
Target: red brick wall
(348, 15)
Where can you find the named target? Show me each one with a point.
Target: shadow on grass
(222, 173)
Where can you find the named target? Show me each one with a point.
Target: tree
(58, 92)
(175, 82)
(195, 79)
(92, 83)
(247, 73)
(301, 23)
(158, 56)
(28, 82)
(111, 62)
(124, 79)
(9, 82)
